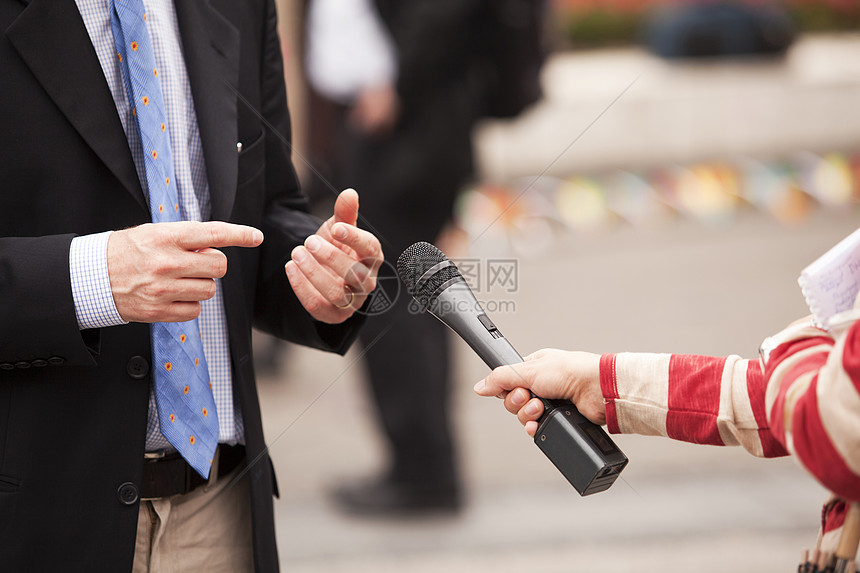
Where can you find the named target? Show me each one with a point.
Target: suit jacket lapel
(51, 38)
(211, 46)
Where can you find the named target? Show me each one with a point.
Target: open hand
(335, 270)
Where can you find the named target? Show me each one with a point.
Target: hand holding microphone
(558, 374)
(580, 449)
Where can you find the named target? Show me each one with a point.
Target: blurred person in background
(800, 397)
(396, 88)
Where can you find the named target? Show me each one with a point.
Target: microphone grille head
(415, 261)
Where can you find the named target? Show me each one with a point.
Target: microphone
(580, 449)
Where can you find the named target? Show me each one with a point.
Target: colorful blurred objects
(582, 204)
(525, 215)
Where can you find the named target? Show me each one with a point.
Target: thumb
(346, 207)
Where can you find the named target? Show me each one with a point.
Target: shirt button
(137, 367)
(127, 493)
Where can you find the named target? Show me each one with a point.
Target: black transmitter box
(595, 464)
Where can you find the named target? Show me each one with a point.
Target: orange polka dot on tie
(161, 208)
(155, 72)
(182, 338)
(144, 17)
(145, 100)
(196, 362)
(167, 181)
(163, 127)
(134, 46)
(210, 384)
(205, 412)
(177, 207)
(168, 366)
(134, 111)
(118, 55)
(173, 417)
(186, 389)
(154, 154)
(191, 439)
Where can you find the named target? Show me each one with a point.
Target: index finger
(364, 243)
(193, 235)
(503, 378)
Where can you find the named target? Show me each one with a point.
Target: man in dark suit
(76, 429)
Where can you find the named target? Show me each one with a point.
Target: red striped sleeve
(609, 387)
(851, 355)
(694, 398)
(783, 352)
(809, 439)
(778, 412)
(787, 349)
(771, 447)
(815, 451)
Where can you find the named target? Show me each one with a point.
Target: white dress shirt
(348, 49)
(94, 304)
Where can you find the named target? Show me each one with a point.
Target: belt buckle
(154, 460)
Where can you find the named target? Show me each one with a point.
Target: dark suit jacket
(73, 403)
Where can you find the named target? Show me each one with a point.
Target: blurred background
(681, 167)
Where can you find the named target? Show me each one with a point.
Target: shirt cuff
(94, 305)
(609, 388)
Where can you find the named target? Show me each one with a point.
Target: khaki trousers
(207, 530)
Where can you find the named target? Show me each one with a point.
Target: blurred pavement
(683, 286)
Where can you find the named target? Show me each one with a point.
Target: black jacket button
(39, 363)
(137, 367)
(127, 493)
(56, 360)
(7, 366)
(22, 365)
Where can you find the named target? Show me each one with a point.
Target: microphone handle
(458, 308)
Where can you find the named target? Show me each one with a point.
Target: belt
(171, 475)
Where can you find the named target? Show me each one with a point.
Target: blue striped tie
(183, 392)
